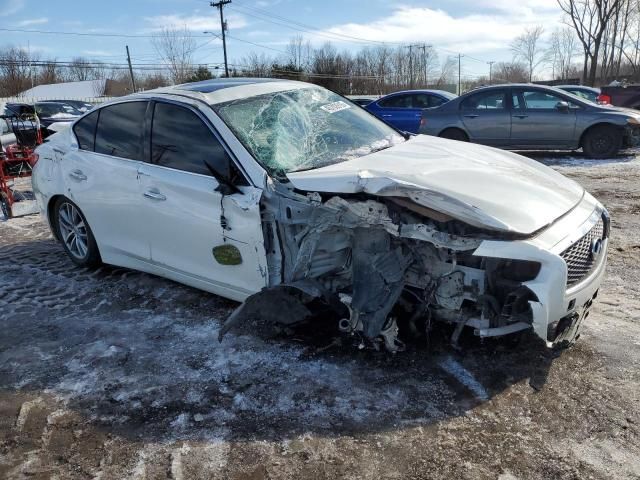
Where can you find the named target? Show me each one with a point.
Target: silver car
(532, 117)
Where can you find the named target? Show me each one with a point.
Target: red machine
(17, 160)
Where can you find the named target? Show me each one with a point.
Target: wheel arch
(599, 124)
(51, 217)
(454, 127)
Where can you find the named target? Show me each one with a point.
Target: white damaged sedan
(286, 196)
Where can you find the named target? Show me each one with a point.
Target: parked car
(79, 105)
(283, 195)
(588, 93)
(22, 110)
(363, 100)
(624, 96)
(533, 117)
(403, 109)
(51, 113)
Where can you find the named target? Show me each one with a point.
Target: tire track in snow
(465, 377)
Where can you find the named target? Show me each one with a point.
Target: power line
(93, 34)
(300, 27)
(256, 44)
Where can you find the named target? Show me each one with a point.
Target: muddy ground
(116, 374)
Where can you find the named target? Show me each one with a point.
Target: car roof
(420, 90)
(579, 87)
(511, 85)
(221, 90)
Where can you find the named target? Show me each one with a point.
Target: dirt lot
(116, 374)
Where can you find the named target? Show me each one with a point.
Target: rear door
(538, 120)
(101, 177)
(193, 222)
(398, 110)
(486, 117)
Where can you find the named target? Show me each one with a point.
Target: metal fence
(32, 100)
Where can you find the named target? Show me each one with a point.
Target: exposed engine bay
(383, 262)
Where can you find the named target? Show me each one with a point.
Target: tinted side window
(399, 101)
(420, 100)
(180, 140)
(120, 130)
(85, 131)
(493, 100)
(436, 101)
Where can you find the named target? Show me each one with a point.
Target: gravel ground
(117, 374)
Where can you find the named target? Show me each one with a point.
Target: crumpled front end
(394, 267)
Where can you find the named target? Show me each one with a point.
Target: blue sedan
(403, 109)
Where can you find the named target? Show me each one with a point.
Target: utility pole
(223, 27)
(424, 47)
(410, 67)
(490, 71)
(460, 74)
(133, 80)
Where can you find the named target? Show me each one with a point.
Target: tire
(75, 234)
(5, 209)
(602, 141)
(454, 134)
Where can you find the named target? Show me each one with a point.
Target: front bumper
(559, 310)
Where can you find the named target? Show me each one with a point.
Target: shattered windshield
(304, 128)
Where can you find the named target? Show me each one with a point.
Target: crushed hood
(484, 187)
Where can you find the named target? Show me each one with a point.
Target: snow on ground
(118, 374)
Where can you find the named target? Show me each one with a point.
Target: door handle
(472, 115)
(521, 116)
(78, 175)
(386, 115)
(58, 150)
(154, 195)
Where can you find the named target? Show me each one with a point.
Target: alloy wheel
(73, 230)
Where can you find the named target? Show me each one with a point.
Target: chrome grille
(579, 257)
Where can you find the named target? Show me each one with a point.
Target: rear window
(493, 100)
(85, 131)
(120, 130)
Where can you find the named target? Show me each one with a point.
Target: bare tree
(15, 71)
(153, 80)
(49, 72)
(447, 71)
(590, 19)
(176, 47)
(563, 47)
(255, 65)
(79, 70)
(510, 72)
(527, 48)
(298, 53)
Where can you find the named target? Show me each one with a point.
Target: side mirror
(562, 107)
(225, 186)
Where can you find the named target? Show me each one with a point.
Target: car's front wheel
(75, 234)
(602, 141)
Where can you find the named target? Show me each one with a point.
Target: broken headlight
(517, 270)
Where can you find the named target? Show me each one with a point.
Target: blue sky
(481, 29)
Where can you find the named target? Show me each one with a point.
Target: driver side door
(536, 120)
(191, 214)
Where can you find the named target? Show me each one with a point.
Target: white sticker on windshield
(335, 106)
